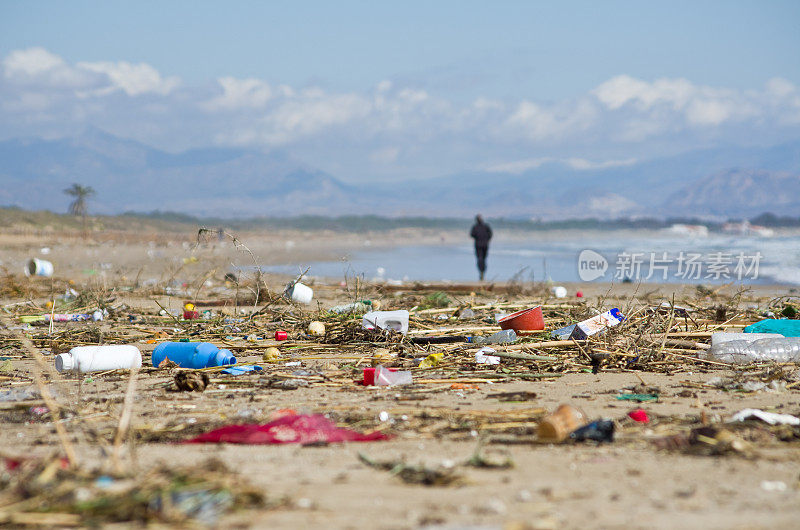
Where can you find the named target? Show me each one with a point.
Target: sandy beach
(636, 481)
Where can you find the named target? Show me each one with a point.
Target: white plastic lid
(64, 362)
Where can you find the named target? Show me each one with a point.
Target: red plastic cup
(525, 320)
(281, 335)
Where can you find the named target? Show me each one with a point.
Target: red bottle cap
(281, 335)
(579, 294)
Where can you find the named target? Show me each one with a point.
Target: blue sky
(524, 80)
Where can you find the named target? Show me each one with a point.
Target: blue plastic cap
(224, 357)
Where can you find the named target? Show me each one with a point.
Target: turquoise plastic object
(192, 354)
(787, 328)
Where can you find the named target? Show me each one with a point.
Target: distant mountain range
(130, 176)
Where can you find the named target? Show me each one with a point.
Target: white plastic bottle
(99, 358)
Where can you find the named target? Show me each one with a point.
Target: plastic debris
(785, 327)
(290, 429)
(744, 351)
(316, 328)
(387, 377)
(99, 358)
(767, 417)
(558, 425)
(501, 337)
(394, 320)
(240, 370)
(596, 431)
(597, 324)
(483, 356)
(192, 355)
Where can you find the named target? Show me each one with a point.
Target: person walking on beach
(481, 233)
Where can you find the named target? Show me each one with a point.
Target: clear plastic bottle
(357, 308)
(501, 337)
(780, 350)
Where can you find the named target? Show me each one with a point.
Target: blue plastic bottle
(192, 354)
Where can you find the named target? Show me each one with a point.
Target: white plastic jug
(396, 320)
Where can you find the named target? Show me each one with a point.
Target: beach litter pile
(316, 364)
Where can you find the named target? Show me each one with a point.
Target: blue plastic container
(787, 328)
(192, 354)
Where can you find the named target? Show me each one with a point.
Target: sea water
(556, 258)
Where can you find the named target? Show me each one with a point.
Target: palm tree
(78, 206)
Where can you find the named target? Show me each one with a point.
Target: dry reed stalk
(50, 402)
(124, 419)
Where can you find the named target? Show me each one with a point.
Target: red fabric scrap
(292, 429)
(639, 415)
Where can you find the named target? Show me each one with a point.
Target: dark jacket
(481, 233)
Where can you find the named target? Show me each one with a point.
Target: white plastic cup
(38, 267)
(302, 294)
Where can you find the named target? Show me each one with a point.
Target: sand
(628, 483)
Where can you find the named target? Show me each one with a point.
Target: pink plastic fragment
(639, 415)
(290, 429)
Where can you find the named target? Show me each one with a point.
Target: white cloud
(520, 166)
(31, 62)
(133, 79)
(240, 94)
(622, 119)
(38, 67)
(387, 155)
